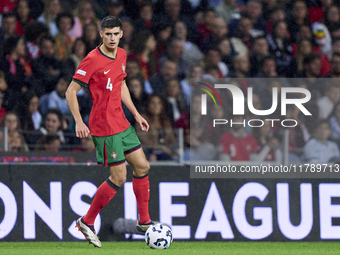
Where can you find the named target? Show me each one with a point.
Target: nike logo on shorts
(105, 72)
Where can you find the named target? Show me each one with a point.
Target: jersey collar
(104, 54)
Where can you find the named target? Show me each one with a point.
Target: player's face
(111, 37)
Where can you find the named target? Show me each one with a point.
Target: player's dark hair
(111, 22)
(64, 15)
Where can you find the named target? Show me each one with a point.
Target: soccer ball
(158, 236)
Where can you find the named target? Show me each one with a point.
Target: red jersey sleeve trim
(81, 83)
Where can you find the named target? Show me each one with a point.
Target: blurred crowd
(168, 42)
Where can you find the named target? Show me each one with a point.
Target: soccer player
(103, 73)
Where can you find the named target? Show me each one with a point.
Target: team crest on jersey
(114, 155)
(123, 68)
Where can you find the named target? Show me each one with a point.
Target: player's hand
(82, 130)
(143, 124)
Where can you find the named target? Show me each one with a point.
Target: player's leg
(141, 187)
(106, 191)
(109, 153)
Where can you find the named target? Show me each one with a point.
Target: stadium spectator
(211, 72)
(160, 140)
(227, 9)
(335, 66)
(57, 99)
(269, 144)
(49, 142)
(146, 18)
(143, 49)
(331, 97)
(47, 68)
(242, 39)
(53, 124)
(281, 48)
(84, 15)
(207, 27)
(237, 144)
(138, 96)
(162, 32)
(276, 14)
(267, 67)
(16, 142)
(259, 51)
(334, 120)
(194, 125)
(51, 9)
(319, 149)
(214, 57)
(214, 133)
(86, 144)
(254, 12)
(167, 70)
(11, 121)
(332, 20)
(312, 67)
(128, 31)
(241, 67)
(195, 72)
(63, 41)
(175, 53)
(220, 32)
(33, 33)
(172, 13)
(191, 51)
(17, 68)
(175, 104)
(91, 37)
(299, 18)
(227, 52)
(269, 6)
(7, 29)
(22, 12)
(29, 114)
(115, 8)
(78, 54)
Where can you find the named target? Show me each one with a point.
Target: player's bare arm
(126, 99)
(71, 96)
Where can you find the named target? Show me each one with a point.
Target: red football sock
(141, 188)
(106, 191)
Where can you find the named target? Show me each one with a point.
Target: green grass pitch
(178, 248)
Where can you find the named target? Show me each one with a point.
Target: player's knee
(119, 180)
(143, 169)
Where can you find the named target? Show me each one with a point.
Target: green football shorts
(111, 150)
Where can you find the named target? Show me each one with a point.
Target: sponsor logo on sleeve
(81, 72)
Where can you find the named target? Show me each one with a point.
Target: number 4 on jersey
(109, 84)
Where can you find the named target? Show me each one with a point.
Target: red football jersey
(239, 149)
(103, 76)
